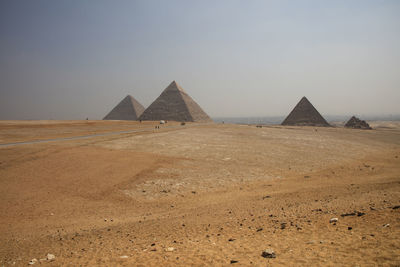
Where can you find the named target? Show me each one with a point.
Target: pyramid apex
(174, 86)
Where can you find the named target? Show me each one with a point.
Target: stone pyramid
(128, 109)
(176, 105)
(356, 123)
(304, 114)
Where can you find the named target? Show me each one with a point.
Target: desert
(125, 193)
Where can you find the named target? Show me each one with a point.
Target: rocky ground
(199, 194)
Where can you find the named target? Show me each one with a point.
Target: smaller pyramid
(128, 109)
(356, 123)
(304, 114)
(175, 104)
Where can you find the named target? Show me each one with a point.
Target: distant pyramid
(176, 105)
(304, 114)
(128, 109)
(356, 123)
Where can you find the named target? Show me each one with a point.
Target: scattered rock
(124, 257)
(169, 249)
(50, 257)
(259, 229)
(231, 239)
(386, 225)
(348, 214)
(333, 220)
(268, 253)
(358, 213)
(234, 261)
(349, 228)
(264, 197)
(396, 207)
(32, 261)
(283, 225)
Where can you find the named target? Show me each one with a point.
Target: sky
(71, 59)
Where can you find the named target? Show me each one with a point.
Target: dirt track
(214, 193)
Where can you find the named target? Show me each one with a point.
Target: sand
(199, 194)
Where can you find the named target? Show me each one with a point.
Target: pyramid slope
(176, 105)
(305, 114)
(128, 109)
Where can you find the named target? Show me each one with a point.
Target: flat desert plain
(198, 194)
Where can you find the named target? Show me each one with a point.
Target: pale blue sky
(76, 59)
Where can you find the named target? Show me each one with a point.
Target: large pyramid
(128, 109)
(176, 105)
(304, 114)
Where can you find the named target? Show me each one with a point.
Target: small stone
(386, 225)
(32, 261)
(349, 228)
(268, 253)
(231, 239)
(234, 261)
(333, 220)
(50, 257)
(105, 220)
(124, 257)
(283, 225)
(169, 249)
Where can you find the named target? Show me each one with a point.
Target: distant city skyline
(79, 59)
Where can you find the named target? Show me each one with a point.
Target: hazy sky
(77, 59)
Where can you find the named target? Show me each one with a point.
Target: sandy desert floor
(199, 195)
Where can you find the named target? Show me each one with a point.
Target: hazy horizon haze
(78, 59)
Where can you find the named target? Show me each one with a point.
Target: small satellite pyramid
(356, 123)
(176, 105)
(128, 109)
(304, 114)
